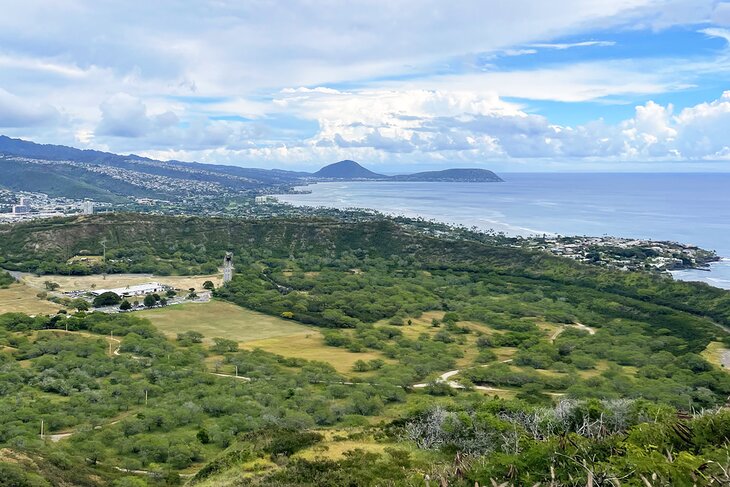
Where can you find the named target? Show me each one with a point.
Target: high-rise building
(87, 207)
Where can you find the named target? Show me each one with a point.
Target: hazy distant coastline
(685, 208)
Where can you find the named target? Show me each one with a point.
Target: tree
(125, 306)
(223, 345)
(51, 286)
(93, 451)
(208, 285)
(193, 294)
(80, 304)
(203, 437)
(149, 301)
(190, 337)
(287, 315)
(171, 293)
(107, 299)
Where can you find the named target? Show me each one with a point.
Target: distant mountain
(346, 170)
(65, 171)
(61, 171)
(351, 170)
(460, 175)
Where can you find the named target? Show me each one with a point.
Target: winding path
(579, 326)
(444, 378)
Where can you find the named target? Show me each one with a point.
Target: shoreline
(706, 268)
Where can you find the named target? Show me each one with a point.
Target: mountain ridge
(347, 169)
(62, 171)
(351, 170)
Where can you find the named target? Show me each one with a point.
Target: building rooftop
(137, 290)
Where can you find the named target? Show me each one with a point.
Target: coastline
(537, 205)
(717, 274)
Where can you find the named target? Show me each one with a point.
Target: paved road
(725, 358)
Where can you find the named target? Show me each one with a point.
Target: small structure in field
(228, 267)
(138, 290)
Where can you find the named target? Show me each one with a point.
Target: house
(138, 290)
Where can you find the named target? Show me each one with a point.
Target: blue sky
(397, 85)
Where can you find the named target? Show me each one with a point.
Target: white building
(87, 207)
(22, 208)
(262, 200)
(138, 290)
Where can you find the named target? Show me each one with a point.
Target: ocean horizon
(690, 208)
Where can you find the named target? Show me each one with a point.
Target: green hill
(346, 170)
(473, 362)
(452, 175)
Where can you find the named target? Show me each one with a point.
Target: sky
(510, 85)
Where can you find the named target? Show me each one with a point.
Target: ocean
(681, 207)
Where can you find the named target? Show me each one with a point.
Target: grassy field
(714, 354)
(309, 345)
(19, 298)
(74, 283)
(220, 319)
(336, 443)
(253, 330)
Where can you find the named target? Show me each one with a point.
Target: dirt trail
(579, 326)
(444, 378)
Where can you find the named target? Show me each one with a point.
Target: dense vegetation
(71, 382)
(193, 245)
(600, 373)
(5, 279)
(151, 404)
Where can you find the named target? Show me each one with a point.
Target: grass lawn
(19, 298)
(219, 319)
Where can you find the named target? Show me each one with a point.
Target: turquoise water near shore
(687, 208)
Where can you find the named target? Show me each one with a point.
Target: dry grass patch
(714, 353)
(219, 319)
(19, 298)
(75, 283)
(336, 443)
(309, 345)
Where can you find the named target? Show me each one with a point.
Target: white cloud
(123, 115)
(206, 82)
(584, 81)
(717, 32)
(20, 112)
(563, 46)
(721, 14)
(433, 125)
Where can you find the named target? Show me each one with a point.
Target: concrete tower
(228, 267)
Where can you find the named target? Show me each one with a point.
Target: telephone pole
(103, 244)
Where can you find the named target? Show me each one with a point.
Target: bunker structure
(228, 267)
